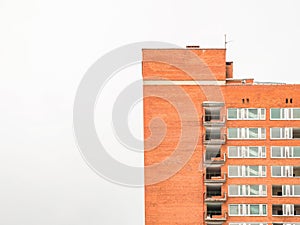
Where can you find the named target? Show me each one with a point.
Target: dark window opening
(296, 171)
(277, 210)
(213, 172)
(213, 190)
(212, 152)
(286, 100)
(291, 100)
(212, 114)
(213, 209)
(296, 132)
(213, 134)
(276, 190)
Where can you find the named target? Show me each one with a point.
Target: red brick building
(218, 150)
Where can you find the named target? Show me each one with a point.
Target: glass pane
(296, 152)
(253, 151)
(233, 209)
(276, 171)
(263, 171)
(276, 152)
(233, 171)
(296, 113)
(254, 189)
(264, 209)
(262, 113)
(253, 171)
(254, 209)
(275, 132)
(263, 152)
(275, 113)
(263, 132)
(253, 133)
(252, 113)
(232, 113)
(233, 151)
(232, 133)
(233, 190)
(297, 190)
(264, 189)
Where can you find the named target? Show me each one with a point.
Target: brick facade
(180, 199)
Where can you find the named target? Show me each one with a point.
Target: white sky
(45, 49)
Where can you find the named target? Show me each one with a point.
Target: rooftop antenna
(226, 42)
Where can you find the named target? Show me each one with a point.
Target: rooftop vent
(192, 46)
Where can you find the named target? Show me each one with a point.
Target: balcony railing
(215, 178)
(214, 139)
(215, 216)
(214, 121)
(218, 159)
(213, 196)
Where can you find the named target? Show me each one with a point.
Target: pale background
(45, 49)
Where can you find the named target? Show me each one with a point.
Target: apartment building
(218, 150)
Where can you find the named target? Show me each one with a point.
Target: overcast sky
(45, 49)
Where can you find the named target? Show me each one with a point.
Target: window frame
(243, 133)
(243, 114)
(244, 152)
(285, 113)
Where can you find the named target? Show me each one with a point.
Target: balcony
(214, 138)
(216, 217)
(214, 157)
(215, 196)
(216, 177)
(214, 121)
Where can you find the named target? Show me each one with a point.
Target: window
(286, 210)
(296, 189)
(282, 132)
(247, 190)
(282, 171)
(285, 114)
(252, 224)
(246, 171)
(246, 133)
(246, 114)
(247, 209)
(232, 113)
(233, 133)
(246, 151)
(285, 151)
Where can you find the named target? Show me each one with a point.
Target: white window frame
(244, 190)
(286, 171)
(242, 171)
(244, 152)
(285, 152)
(252, 223)
(243, 133)
(244, 210)
(243, 114)
(285, 114)
(285, 133)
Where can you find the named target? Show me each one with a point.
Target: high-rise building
(218, 150)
